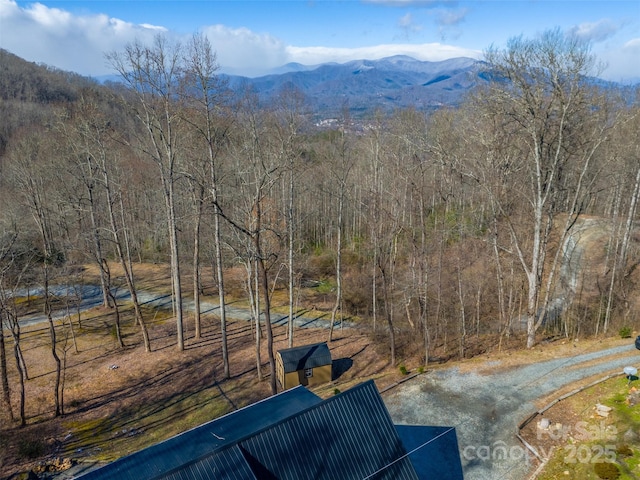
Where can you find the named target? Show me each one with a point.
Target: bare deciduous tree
(212, 125)
(96, 140)
(34, 171)
(152, 74)
(340, 164)
(258, 171)
(554, 119)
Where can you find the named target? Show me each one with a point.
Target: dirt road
(86, 297)
(486, 406)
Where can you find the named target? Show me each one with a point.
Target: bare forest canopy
(432, 229)
(27, 90)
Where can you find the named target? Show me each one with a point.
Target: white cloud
(406, 21)
(632, 46)
(448, 21)
(241, 51)
(78, 42)
(408, 25)
(621, 63)
(595, 31)
(153, 27)
(447, 17)
(57, 38)
(51, 18)
(433, 52)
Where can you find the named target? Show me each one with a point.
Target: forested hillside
(435, 232)
(28, 91)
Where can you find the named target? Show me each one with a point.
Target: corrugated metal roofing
(349, 436)
(229, 464)
(193, 444)
(305, 356)
(435, 451)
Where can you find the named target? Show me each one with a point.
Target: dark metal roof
(229, 464)
(305, 356)
(349, 436)
(296, 435)
(435, 452)
(189, 446)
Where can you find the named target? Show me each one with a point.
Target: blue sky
(253, 37)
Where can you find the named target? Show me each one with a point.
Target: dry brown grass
(117, 401)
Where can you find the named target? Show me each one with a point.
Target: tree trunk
(336, 306)
(463, 315)
(221, 294)
(263, 280)
(388, 315)
(612, 262)
(175, 260)
(153, 76)
(98, 246)
(629, 224)
(113, 301)
(254, 299)
(52, 338)
(73, 332)
(116, 311)
(17, 354)
(290, 242)
(374, 286)
(13, 326)
(264, 283)
(424, 314)
(199, 200)
(202, 65)
(125, 263)
(6, 393)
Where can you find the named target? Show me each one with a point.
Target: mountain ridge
(362, 86)
(365, 85)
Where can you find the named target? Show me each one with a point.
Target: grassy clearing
(138, 426)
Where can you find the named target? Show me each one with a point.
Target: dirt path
(486, 407)
(90, 296)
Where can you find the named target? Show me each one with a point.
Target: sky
(255, 37)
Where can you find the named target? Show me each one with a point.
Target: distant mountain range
(366, 85)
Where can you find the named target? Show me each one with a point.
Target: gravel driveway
(90, 296)
(487, 408)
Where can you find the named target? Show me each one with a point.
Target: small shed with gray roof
(306, 365)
